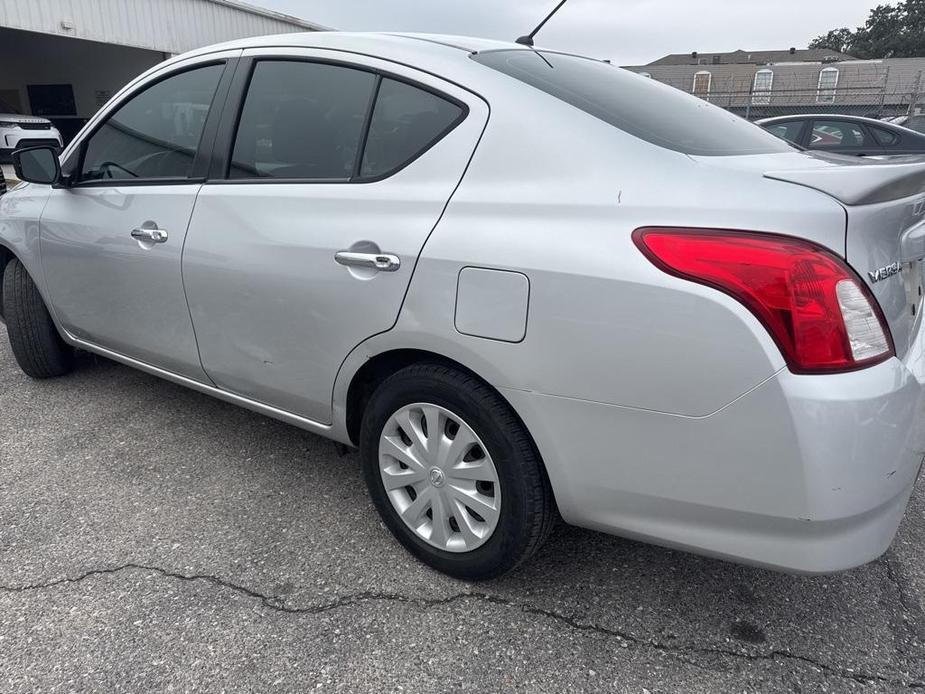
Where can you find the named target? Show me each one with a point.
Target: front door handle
(384, 262)
(149, 235)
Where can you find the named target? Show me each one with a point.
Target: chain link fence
(873, 102)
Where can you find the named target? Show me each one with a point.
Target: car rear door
(111, 241)
(331, 173)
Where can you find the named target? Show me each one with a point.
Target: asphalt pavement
(154, 539)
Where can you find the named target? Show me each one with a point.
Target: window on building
(155, 134)
(702, 81)
(828, 84)
(761, 91)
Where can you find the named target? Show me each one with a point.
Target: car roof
(363, 42)
(885, 125)
(825, 116)
(444, 55)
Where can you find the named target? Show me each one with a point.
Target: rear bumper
(807, 474)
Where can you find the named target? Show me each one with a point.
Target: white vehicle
(18, 132)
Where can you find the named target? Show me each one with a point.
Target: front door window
(156, 133)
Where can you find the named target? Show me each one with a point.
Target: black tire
(528, 512)
(37, 345)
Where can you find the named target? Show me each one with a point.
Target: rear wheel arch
(381, 366)
(377, 369)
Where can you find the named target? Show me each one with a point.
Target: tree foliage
(836, 40)
(891, 31)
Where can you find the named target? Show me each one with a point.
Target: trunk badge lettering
(885, 272)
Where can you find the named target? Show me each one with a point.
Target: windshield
(6, 108)
(640, 106)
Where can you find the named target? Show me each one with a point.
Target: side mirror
(37, 165)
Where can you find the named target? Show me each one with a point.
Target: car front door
(302, 245)
(112, 240)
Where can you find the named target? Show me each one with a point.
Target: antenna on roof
(528, 39)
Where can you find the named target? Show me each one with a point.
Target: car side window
(789, 131)
(884, 138)
(301, 120)
(406, 121)
(156, 133)
(837, 135)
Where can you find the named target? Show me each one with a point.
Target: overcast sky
(629, 32)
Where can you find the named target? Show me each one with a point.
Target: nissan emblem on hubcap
(437, 478)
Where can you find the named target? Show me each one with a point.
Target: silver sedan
(525, 284)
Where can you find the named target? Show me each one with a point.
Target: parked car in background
(631, 308)
(850, 135)
(18, 131)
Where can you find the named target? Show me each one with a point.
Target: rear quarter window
(406, 121)
(885, 138)
(642, 107)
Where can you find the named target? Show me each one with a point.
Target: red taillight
(818, 311)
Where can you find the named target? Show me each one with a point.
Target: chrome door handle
(384, 262)
(150, 235)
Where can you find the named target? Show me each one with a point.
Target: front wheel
(453, 472)
(36, 343)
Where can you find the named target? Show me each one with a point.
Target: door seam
(189, 311)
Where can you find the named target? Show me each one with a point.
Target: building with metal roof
(63, 59)
(740, 57)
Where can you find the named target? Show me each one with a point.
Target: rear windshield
(652, 111)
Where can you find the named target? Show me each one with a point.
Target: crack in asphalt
(906, 618)
(277, 604)
(893, 573)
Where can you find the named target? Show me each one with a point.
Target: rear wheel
(36, 343)
(453, 472)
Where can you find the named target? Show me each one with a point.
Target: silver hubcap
(439, 477)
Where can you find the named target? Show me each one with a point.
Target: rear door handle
(384, 262)
(150, 235)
